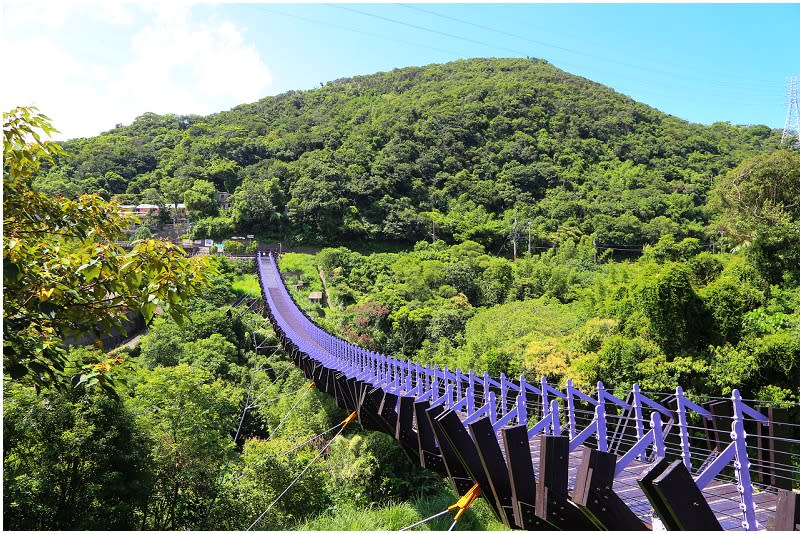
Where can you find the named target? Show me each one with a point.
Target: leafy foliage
(187, 417)
(62, 271)
(759, 202)
(71, 460)
(458, 150)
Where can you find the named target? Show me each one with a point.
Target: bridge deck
(721, 495)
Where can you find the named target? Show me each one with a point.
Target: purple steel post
(600, 416)
(472, 381)
(522, 402)
(658, 435)
(492, 400)
(742, 464)
(503, 394)
(683, 431)
(555, 421)
(570, 409)
(470, 400)
(458, 383)
(545, 406)
(637, 411)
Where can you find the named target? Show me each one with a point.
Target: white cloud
(53, 14)
(172, 64)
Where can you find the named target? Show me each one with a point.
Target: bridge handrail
(443, 386)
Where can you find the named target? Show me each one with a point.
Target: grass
(395, 516)
(247, 284)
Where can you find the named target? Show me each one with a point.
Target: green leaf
(148, 309)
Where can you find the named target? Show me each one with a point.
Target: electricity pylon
(792, 129)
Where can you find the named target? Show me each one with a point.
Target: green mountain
(460, 149)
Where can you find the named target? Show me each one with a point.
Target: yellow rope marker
(349, 419)
(310, 385)
(465, 501)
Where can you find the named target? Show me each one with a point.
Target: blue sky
(112, 61)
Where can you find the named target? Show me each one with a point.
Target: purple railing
(478, 395)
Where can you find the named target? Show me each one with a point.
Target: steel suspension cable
(431, 518)
(310, 440)
(306, 468)
(288, 413)
(462, 505)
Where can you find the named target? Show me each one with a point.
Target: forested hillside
(663, 253)
(460, 150)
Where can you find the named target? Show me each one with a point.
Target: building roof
(315, 295)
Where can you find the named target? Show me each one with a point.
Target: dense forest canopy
(461, 150)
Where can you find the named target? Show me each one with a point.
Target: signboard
(209, 243)
(220, 247)
(251, 236)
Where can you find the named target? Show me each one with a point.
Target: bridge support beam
(595, 495)
(454, 431)
(461, 478)
(491, 458)
(787, 515)
(676, 498)
(552, 498)
(430, 457)
(371, 403)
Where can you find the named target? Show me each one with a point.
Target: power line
(437, 32)
(578, 52)
(347, 28)
(737, 94)
(672, 76)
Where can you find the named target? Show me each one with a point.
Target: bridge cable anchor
(349, 419)
(464, 503)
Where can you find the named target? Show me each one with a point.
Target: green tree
(224, 173)
(162, 346)
(216, 228)
(188, 418)
(257, 204)
(215, 354)
(72, 460)
(678, 318)
(201, 200)
(63, 273)
(759, 202)
(263, 472)
(728, 299)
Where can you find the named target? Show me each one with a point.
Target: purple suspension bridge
(546, 458)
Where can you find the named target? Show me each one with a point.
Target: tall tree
(189, 418)
(62, 271)
(72, 460)
(759, 202)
